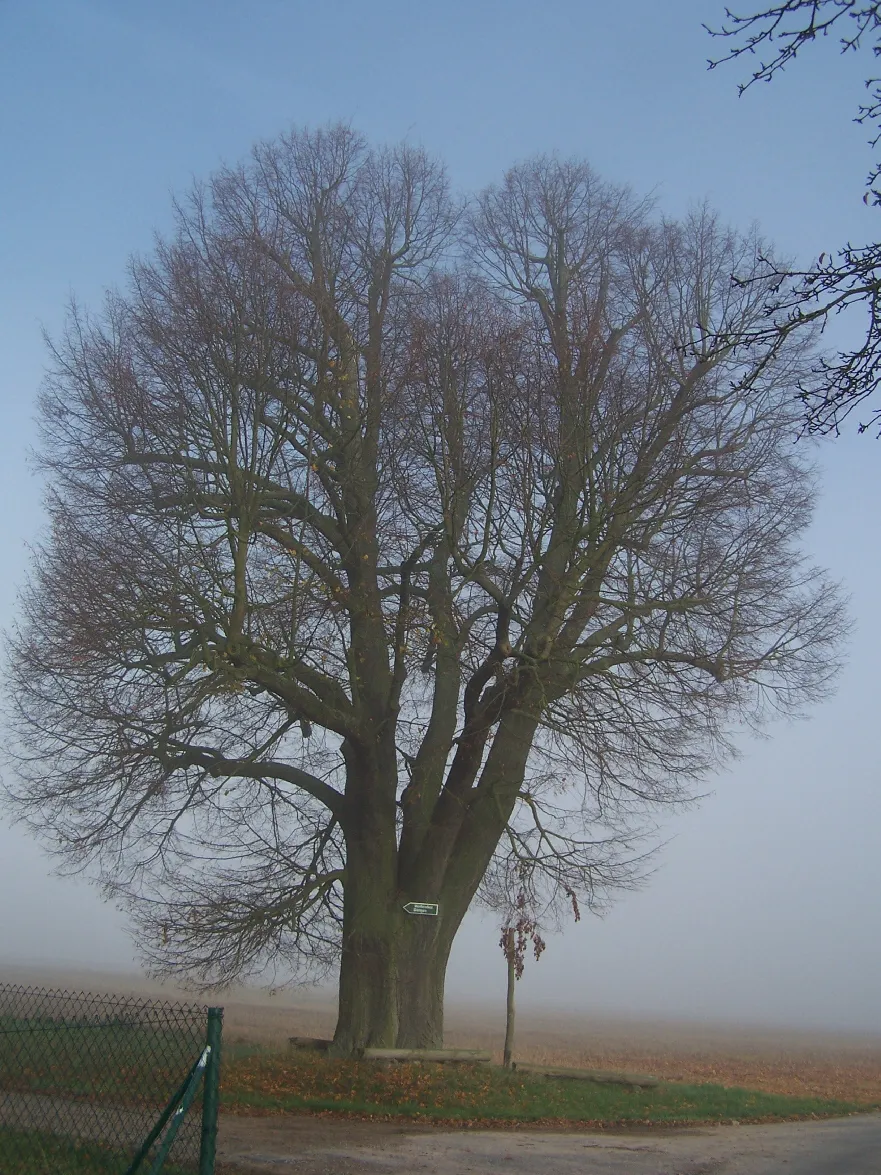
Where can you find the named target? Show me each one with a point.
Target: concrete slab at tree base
(317, 1044)
(600, 1076)
(442, 1056)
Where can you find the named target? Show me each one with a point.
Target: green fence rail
(106, 1084)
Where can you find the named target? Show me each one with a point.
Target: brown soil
(785, 1061)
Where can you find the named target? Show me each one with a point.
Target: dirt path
(314, 1146)
(304, 1144)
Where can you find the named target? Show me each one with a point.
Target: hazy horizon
(531, 1007)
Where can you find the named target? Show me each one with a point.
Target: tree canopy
(394, 539)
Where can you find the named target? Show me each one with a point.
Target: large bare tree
(390, 538)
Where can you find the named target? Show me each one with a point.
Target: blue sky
(766, 905)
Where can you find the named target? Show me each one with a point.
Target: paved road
(290, 1146)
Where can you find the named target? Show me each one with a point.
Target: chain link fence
(85, 1079)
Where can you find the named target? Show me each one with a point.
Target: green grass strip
(484, 1093)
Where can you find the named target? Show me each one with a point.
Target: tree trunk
(509, 1007)
(368, 985)
(425, 950)
(368, 993)
(393, 964)
(391, 991)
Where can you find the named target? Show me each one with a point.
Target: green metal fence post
(210, 1094)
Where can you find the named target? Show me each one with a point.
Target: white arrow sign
(422, 908)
